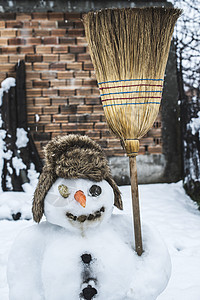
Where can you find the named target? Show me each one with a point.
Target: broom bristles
(129, 49)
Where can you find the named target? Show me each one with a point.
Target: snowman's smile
(91, 217)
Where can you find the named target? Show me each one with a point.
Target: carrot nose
(79, 196)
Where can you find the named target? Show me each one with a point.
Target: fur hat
(72, 156)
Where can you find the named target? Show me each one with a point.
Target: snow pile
(6, 85)
(168, 209)
(22, 138)
(194, 124)
(11, 160)
(12, 203)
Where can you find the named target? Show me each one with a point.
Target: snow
(6, 85)
(164, 207)
(194, 124)
(18, 164)
(22, 138)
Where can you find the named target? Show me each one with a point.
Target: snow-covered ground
(166, 207)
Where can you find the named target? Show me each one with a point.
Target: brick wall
(62, 92)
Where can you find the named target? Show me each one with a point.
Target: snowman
(82, 250)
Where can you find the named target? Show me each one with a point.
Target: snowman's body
(47, 262)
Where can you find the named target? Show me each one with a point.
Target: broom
(129, 49)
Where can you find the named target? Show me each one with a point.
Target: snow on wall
(22, 140)
(194, 124)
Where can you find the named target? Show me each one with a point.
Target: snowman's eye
(95, 190)
(63, 190)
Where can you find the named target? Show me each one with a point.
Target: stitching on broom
(114, 87)
(130, 103)
(130, 80)
(130, 98)
(131, 92)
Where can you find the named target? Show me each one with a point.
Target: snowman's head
(76, 171)
(79, 203)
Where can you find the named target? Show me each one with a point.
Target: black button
(89, 292)
(86, 258)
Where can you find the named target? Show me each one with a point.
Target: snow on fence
(19, 160)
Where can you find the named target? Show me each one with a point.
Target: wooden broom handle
(135, 205)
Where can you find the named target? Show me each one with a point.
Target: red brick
(93, 75)
(65, 75)
(7, 67)
(114, 143)
(59, 101)
(29, 84)
(52, 128)
(67, 40)
(34, 110)
(2, 24)
(74, 82)
(97, 109)
(50, 40)
(60, 49)
(60, 118)
(48, 24)
(16, 41)
(66, 92)
(49, 92)
(95, 91)
(114, 152)
(31, 24)
(34, 93)
(92, 101)
(84, 57)
(72, 15)
(15, 58)
(26, 49)
(57, 66)
(41, 32)
(78, 24)
(3, 42)
(81, 41)
(74, 66)
(81, 74)
(88, 66)
(67, 57)
(95, 135)
(84, 109)
(34, 41)
(50, 110)
(24, 32)
(33, 58)
(58, 83)
(65, 24)
(40, 66)
(8, 33)
(43, 49)
(56, 16)
(7, 16)
(90, 82)
(155, 149)
(68, 109)
(76, 100)
(41, 84)
(76, 49)
(50, 58)
(32, 75)
(23, 16)
(58, 32)
(77, 126)
(39, 15)
(42, 101)
(14, 24)
(45, 119)
(155, 132)
(4, 58)
(48, 75)
(84, 91)
(75, 32)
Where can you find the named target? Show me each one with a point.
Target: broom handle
(135, 205)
